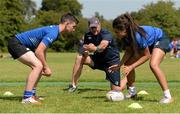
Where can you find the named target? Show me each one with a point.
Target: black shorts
(114, 77)
(16, 49)
(163, 43)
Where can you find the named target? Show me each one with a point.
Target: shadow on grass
(95, 97)
(89, 89)
(141, 98)
(85, 90)
(14, 98)
(11, 98)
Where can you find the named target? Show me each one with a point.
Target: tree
(72, 6)
(11, 19)
(161, 14)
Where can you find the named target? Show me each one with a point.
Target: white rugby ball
(115, 95)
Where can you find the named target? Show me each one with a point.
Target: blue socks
(28, 94)
(34, 91)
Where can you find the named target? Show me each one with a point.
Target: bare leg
(156, 59)
(121, 87)
(78, 66)
(31, 60)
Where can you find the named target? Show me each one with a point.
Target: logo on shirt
(89, 38)
(157, 43)
(27, 49)
(50, 39)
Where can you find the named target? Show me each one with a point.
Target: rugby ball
(115, 95)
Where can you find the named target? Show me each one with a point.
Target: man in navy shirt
(99, 52)
(30, 49)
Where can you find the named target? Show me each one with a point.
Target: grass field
(90, 98)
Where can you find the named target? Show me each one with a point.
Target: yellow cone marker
(143, 92)
(135, 106)
(8, 93)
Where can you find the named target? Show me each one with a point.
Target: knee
(38, 66)
(79, 59)
(153, 65)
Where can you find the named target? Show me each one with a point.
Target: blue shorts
(163, 43)
(114, 77)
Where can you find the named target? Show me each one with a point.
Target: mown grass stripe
(54, 84)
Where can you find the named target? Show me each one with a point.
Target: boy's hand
(46, 71)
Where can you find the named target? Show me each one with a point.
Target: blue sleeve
(49, 38)
(141, 41)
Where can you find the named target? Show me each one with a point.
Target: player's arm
(41, 55)
(127, 55)
(144, 57)
(100, 48)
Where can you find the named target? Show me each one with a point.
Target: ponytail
(126, 22)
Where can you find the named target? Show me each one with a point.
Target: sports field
(90, 98)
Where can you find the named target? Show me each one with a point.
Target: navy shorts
(163, 43)
(16, 49)
(114, 77)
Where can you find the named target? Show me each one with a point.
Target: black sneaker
(130, 96)
(72, 88)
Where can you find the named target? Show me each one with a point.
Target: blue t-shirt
(32, 38)
(111, 54)
(153, 34)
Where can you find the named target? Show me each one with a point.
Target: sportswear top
(153, 34)
(32, 38)
(111, 53)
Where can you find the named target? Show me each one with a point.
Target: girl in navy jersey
(141, 43)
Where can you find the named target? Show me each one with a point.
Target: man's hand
(90, 47)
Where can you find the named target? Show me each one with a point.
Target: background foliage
(21, 15)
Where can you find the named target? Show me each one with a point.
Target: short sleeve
(49, 38)
(106, 35)
(141, 41)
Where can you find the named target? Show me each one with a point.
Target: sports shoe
(38, 98)
(166, 100)
(30, 100)
(72, 88)
(130, 96)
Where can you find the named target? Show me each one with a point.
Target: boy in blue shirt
(142, 43)
(30, 49)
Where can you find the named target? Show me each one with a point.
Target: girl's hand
(127, 69)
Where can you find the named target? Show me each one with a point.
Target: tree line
(21, 15)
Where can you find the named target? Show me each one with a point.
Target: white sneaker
(30, 100)
(38, 98)
(166, 100)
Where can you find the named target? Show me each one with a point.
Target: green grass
(90, 98)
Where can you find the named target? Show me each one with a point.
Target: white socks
(132, 90)
(167, 94)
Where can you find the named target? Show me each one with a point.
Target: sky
(112, 8)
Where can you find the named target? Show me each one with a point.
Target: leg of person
(132, 93)
(156, 59)
(34, 90)
(32, 61)
(26, 56)
(77, 69)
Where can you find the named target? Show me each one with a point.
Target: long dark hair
(126, 22)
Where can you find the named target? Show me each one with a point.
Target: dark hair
(69, 17)
(126, 22)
